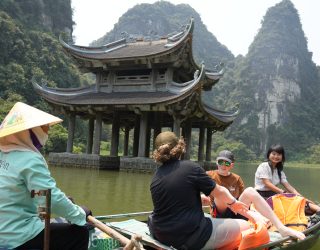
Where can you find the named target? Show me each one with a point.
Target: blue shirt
(21, 172)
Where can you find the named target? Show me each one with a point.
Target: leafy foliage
(277, 59)
(57, 141)
(314, 154)
(275, 85)
(30, 49)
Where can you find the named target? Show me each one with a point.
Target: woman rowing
(23, 169)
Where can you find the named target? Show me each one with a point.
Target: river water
(112, 192)
(108, 192)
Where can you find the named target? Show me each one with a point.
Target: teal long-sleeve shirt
(21, 172)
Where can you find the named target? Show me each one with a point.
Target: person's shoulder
(191, 166)
(213, 172)
(263, 164)
(236, 176)
(189, 163)
(32, 154)
(24, 154)
(25, 160)
(30, 157)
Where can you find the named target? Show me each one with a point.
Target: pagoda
(142, 86)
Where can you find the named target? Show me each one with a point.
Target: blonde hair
(166, 152)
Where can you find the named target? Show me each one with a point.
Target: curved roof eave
(89, 95)
(105, 52)
(225, 117)
(211, 78)
(176, 88)
(215, 76)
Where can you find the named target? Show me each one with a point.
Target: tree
(57, 141)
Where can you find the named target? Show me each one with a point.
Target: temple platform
(84, 161)
(136, 164)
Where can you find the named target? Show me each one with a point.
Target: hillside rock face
(29, 48)
(275, 84)
(278, 93)
(152, 21)
(278, 82)
(49, 15)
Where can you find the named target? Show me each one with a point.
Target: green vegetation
(29, 49)
(163, 19)
(276, 85)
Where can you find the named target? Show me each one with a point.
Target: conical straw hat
(22, 117)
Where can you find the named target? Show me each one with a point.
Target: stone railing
(84, 161)
(140, 164)
(137, 164)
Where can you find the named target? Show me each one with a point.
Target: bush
(314, 154)
(57, 141)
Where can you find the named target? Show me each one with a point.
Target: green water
(112, 192)
(108, 192)
(105, 192)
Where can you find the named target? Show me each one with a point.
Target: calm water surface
(112, 192)
(108, 192)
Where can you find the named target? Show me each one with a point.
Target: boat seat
(135, 227)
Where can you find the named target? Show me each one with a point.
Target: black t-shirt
(177, 219)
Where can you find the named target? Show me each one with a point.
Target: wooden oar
(111, 232)
(115, 216)
(135, 214)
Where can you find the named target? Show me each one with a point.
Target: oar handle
(111, 232)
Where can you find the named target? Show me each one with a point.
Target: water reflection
(110, 192)
(105, 192)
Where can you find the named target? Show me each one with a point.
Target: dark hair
(280, 150)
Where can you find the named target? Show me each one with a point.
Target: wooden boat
(129, 227)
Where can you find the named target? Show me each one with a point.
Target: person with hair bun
(177, 219)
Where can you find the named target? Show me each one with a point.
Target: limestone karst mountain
(152, 21)
(276, 85)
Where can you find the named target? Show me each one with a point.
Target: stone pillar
(176, 125)
(97, 134)
(111, 78)
(71, 128)
(143, 134)
(209, 144)
(98, 81)
(157, 128)
(168, 75)
(154, 75)
(188, 130)
(90, 136)
(126, 141)
(115, 135)
(201, 144)
(148, 137)
(136, 136)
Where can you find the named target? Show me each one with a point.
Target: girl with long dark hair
(270, 175)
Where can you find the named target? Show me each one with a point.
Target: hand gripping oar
(128, 244)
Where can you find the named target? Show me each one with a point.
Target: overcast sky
(233, 22)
